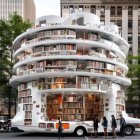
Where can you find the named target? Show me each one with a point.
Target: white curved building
(73, 68)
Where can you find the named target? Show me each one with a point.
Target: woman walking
(105, 125)
(60, 128)
(113, 126)
(95, 121)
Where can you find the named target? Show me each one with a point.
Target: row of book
(56, 32)
(93, 65)
(27, 107)
(54, 47)
(25, 100)
(22, 87)
(28, 114)
(24, 93)
(73, 111)
(120, 107)
(73, 105)
(28, 122)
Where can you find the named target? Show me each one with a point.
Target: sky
(47, 7)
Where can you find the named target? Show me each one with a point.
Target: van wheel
(129, 130)
(80, 131)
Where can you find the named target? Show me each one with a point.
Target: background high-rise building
(123, 13)
(25, 8)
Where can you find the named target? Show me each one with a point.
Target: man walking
(122, 126)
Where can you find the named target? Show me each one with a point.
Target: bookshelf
(93, 106)
(93, 36)
(53, 107)
(74, 107)
(24, 97)
(28, 122)
(120, 102)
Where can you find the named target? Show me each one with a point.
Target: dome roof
(52, 19)
(82, 18)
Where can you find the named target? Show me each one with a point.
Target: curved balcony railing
(101, 87)
(52, 37)
(67, 52)
(66, 68)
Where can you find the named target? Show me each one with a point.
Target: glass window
(102, 22)
(135, 98)
(112, 22)
(130, 10)
(112, 11)
(102, 11)
(130, 39)
(80, 7)
(139, 24)
(93, 9)
(119, 24)
(119, 11)
(130, 24)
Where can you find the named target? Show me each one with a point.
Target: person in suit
(122, 125)
(60, 128)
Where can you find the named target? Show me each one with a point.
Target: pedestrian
(113, 126)
(105, 125)
(60, 128)
(95, 125)
(122, 126)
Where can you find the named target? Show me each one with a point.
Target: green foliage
(134, 74)
(9, 30)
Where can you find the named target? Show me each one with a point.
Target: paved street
(42, 136)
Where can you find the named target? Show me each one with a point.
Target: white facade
(73, 67)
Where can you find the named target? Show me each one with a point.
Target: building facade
(74, 68)
(25, 8)
(123, 13)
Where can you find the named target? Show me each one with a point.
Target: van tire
(129, 130)
(80, 131)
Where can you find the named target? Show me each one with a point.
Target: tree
(9, 30)
(133, 91)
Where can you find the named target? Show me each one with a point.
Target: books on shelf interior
(74, 107)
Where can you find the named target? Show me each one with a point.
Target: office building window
(129, 39)
(135, 98)
(130, 24)
(102, 11)
(119, 11)
(71, 9)
(93, 9)
(139, 39)
(80, 7)
(102, 22)
(112, 11)
(130, 49)
(112, 22)
(139, 24)
(130, 10)
(119, 24)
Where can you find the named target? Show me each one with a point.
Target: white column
(125, 23)
(65, 12)
(107, 15)
(135, 32)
